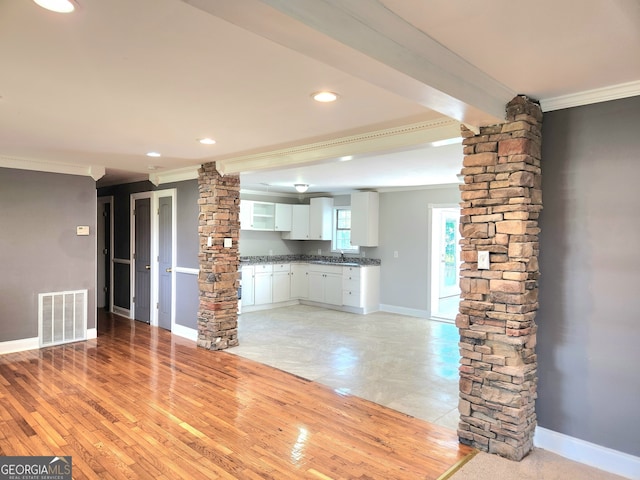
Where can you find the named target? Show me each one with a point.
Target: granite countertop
(318, 259)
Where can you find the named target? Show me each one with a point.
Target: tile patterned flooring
(405, 363)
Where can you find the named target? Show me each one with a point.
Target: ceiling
(93, 91)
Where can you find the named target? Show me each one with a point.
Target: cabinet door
(299, 223)
(263, 288)
(316, 286)
(283, 217)
(281, 284)
(333, 289)
(364, 219)
(247, 286)
(299, 280)
(320, 218)
(246, 214)
(263, 216)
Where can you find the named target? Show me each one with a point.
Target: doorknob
(147, 267)
(169, 270)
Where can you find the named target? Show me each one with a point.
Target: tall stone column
(219, 204)
(501, 201)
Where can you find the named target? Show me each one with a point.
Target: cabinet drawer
(351, 298)
(335, 270)
(281, 267)
(263, 268)
(351, 284)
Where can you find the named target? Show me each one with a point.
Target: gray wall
(589, 317)
(404, 227)
(39, 249)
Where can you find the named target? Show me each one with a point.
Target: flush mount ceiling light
(346, 158)
(207, 141)
(301, 187)
(153, 154)
(60, 6)
(324, 96)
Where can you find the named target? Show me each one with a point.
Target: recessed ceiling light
(346, 158)
(324, 96)
(153, 154)
(60, 6)
(207, 141)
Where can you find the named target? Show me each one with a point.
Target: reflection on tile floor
(405, 363)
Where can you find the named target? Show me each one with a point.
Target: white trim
(124, 261)
(187, 270)
(184, 332)
(21, 345)
(132, 251)
(386, 139)
(604, 458)
(410, 312)
(92, 333)
(177, 175)
(613, 92)
(94, 171)
(123, 312)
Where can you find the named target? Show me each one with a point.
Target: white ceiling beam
(94, 171)
(369, 41)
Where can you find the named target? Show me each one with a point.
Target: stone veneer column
(219, 204)
(501, 201)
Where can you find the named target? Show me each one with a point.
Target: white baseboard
(185, 332)
(604, 458)
(21, 345)
(92, 333)
(410, 312)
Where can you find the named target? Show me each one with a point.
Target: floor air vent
(62, 317)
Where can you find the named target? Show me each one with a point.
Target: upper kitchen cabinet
(283, 217)
(320, 216)
(364, 219)
(299, 223)
(257, 215)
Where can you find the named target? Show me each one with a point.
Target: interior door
(165, 261)
(142, 260)
(104, 255)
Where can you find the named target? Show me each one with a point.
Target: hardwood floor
(138, 402)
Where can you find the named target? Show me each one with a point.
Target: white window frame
(334, 233)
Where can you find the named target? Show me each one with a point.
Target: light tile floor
(405, 363)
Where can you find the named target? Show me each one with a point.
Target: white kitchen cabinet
(325, 284)
(257, 215)
(299, 280)
(299, 223)
(320, 218)
(263, 284)
(281, 283)
(247, 286)
(283, 217)
(361, 288)
(364, 219)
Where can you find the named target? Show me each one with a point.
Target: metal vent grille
(62, 317)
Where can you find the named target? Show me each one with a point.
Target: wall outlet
(270, 252)
(395, 254)
(319, 251)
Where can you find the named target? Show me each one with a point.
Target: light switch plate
(82, 230)
(228, 243)
(483, 260)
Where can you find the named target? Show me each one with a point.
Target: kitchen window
(341, 241)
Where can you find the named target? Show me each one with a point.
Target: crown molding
(613, 92)
(176, 175)
(94, 171)
(376, 141)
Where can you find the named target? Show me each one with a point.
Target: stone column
(501, 201)
(219, 204)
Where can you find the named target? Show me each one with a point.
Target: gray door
(142, 260)
(165, 262)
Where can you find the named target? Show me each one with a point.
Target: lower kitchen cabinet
(281, 283)
(325, 284)
(299, 281)
(247, 286)
(263, 284)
